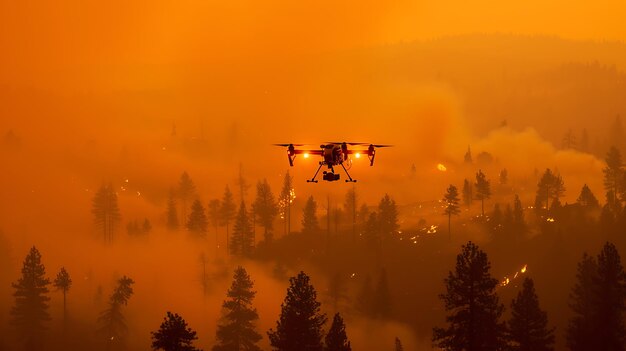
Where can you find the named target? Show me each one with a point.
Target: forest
(144, 207)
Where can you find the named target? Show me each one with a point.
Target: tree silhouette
(186, 191)
(174, 335)
(586, 199)
(105, 211)
(550, 186)
(611, 300)
(63, 282)
(300, 323)
(242, 184)
(569, 140)
(30, 311)
(172, 214)
(483, 189)
(613, 177)
(580, 333)
(227, 213)
(309, 216)
(504, 176)
(237, 328)
(472, 304)
(242, 240)
(365, 298)
(113, 324)
(467, 193)
(265, 208)
(468, 156)
(387, 216)
(451, 203)
(528, 326)
(336, 339)
(399, 345)
(197, 223)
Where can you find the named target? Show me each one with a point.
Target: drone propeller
(341, 142)
(381, 145)
(287, 145)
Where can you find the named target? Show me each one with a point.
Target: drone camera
(329, 176)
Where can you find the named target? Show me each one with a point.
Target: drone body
(333, 154)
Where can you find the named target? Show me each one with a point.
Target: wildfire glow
(306, 155)
(506, 281)
(441, 167)
(357, 155)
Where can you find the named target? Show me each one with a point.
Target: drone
(333, 154)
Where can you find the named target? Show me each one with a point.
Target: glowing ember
(506, 281)
(441, 167)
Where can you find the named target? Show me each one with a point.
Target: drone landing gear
(349, 180)
(312, 180)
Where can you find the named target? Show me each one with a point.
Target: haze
(133, 95)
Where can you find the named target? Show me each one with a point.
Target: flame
(357, 155)
(506, 280)
(441, 167)
(306, 155)
(550, 219)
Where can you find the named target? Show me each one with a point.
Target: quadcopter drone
(333, 154)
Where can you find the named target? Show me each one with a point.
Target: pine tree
(227, 213)
(242, 184)
(63, 282)
(237, 328)
(613, 173)
(174, 335)
(365, 298)
(300, 324)
(287, 195)
(242, 240)
(113, 324)
(467, 193)
(550, 186)
(587, 200)
(172, 214)
(31, 302)
(483, 190)
(473, 306)
(336, 339)
(528, 326)
(518, 212)
(381, 303)
(309, 216)
(186, 191)
(611, 300)
(451, 203)
(105, 211)
(399, 345)
(265, 208)
(197, 223)
(580, 332)
(569, 140)
(468, 156)
(504, 176)
(388, 216)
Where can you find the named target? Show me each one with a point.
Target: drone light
(357, 155)
(306, 155)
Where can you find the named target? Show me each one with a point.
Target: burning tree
(472, 303)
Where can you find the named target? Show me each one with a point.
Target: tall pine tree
(174, 335)
(528, 326)
(285, 200)
(227, 213)
(483, 190)
(186, 191)
(265, 208)
(113, 327)
(613, 177)
(451, 203)
(473, 308)
(31, 302)
(197, 223)
(300, 323)
(468, 196)
(611, 300)
(388, 216)
(63, 282)
(309, 216)
(337, 339)
(242, 240)
(106, 212)
(172, 214)
(237, 330)
(580, 332)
